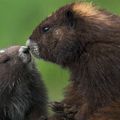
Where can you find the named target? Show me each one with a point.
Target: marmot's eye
(45, 29)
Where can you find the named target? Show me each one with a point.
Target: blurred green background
(18, 18)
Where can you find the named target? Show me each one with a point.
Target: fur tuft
(85, 9)
(92, 12)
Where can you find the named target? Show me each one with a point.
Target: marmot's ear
(70, 18)
(4, 58)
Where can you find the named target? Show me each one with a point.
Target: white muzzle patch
(28, 43)
(33, 47)
(25, 57)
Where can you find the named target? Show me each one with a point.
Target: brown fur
(86, 40)
(85, 9)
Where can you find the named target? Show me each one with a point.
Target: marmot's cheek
(58, 34)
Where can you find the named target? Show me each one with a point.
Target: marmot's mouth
(33, 48)
(24, 54)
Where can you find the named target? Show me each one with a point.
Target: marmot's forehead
(13, 49)
(57, 14)
(81, 8)
(84, 9)
(10, 50)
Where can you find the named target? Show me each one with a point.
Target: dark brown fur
(22, 92)
(86, 40)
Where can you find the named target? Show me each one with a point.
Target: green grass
(18, 18)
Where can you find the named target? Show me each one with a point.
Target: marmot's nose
(24, 49)
(24, 54)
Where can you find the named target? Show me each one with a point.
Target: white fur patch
(2, 51)
(36, 49)
(24, 56)
(21, 50)
(28, 42)
(33, 47)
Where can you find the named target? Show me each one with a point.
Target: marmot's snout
(25, 49)
(24, 54)
(33, 47)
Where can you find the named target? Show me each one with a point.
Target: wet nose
(24, 49)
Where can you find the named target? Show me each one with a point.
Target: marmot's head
(13, 60)
(70, 32)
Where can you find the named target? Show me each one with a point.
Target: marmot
(23, 94)
(86, 40)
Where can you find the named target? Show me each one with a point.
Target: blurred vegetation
(18, 18)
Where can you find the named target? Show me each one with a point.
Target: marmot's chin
(34, 49)
(35, 53)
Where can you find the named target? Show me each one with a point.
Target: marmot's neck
(97, 89)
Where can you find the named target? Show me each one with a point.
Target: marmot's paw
(70, 111)
(43, 118)
(57, 107)
(67, 111)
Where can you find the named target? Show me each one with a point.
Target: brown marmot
(22, 92)
(85, 39)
